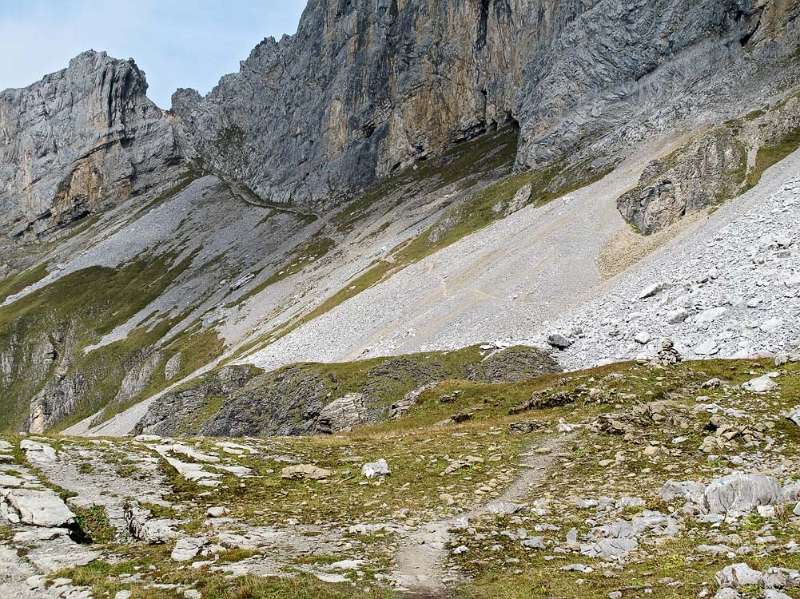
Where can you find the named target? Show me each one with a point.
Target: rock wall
(366, 87)
(77, 141)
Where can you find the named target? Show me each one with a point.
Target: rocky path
(420, 564)
(41, 536)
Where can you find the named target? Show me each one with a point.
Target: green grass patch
(771, 154)
(93, 522)
(21, 280)
(71, 314)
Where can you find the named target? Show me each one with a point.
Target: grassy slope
(81, 308)
(419, 451)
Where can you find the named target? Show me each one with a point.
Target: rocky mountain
(396, 178)
(455, 298)
(77, 142)
(366, 88)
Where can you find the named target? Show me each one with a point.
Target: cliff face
(622, 71)
(79, 140)
(366, 87)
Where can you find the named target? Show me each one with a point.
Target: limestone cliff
(367, 87)
(78, 140)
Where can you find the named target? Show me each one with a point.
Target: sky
(178, 43)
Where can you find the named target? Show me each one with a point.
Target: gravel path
(420, 563)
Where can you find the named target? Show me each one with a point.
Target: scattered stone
(710, 315)
(712, 384)
(376, 469)
(524, 428)
(652, 290)
(534, 543)
(667, 355)
(677, 316)
(504, 508)
(707, 348)
(305, 471)
(583, 568)
(762, 384)
(217, 512)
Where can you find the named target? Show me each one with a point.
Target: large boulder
(305, 471)
(39, 508)
(342, 414)
(741, 493)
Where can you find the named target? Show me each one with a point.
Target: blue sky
(178, 43)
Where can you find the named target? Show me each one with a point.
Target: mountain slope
(397, 177)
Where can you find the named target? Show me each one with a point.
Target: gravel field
(535, 273)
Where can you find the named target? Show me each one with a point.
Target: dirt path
(420, 562)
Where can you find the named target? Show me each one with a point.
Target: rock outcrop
(716, 166)
(79, 140)
(308, 398)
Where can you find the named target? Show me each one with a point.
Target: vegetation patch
(94, 524)
(68, 316)
(21, 280)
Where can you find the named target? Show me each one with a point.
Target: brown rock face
(365, 88)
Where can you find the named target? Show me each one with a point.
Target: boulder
(677, 316)
(738, 575)
(38, 452)
(652, 290)
(534, 543)
(39, 508)
(342, 414)
(409, 401)
(559, 341)
(376, 469)
(762, 384)
(688, 490)
(741, 493)
(143, 527)
(187, 548)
